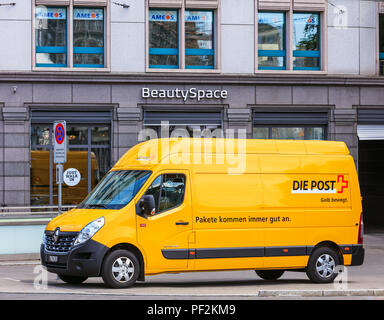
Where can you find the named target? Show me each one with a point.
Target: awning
(187, 118)
(370, 132)
(72, 116)
(290, 118)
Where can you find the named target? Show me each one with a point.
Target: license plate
(53, 258)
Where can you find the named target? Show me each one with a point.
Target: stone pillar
(345, 122)
(344, 117)
(15, 165)
(126, 130)
(239, 118)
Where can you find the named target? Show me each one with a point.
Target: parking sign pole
(59, 180)
(60, 156)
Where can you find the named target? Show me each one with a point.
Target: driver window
(168, 191)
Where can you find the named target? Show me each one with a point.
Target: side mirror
(147, 205)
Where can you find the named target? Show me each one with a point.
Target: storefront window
(88, 37)
(40, 136)
(189, 131)
(288, 133)
(89, 152)
(271, 40)
(199, 51)
(77, 135)
(100, 135)
(285, 132)
(381, 43)
(163, 39)
(306, 41)
(261, 133)
(51, 36)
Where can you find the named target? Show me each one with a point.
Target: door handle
(182, 223)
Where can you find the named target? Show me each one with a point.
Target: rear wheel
(269, 274)
(120, 269)
(322, 265)
(72, 279)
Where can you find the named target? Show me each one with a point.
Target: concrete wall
(351, 47)
(128, 37)
(21, 239)
(352, 37)
(15, 36)
(238, 36)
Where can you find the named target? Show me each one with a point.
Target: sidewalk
(365, 280)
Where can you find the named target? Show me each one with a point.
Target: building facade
(270, 69)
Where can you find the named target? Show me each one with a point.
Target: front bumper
(83, 260)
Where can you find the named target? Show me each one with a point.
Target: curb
(19, 257)
(260, 294)
(19, 262)
(321, 293)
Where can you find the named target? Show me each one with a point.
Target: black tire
(269, 274)
(322, 265)
(120, 269)
(72, 279)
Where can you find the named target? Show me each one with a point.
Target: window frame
(273, 53)
(70, 49)
(181, 39)
(305, 127)
(71, 147)
(162, 174)
(89, 50)
(308, 53)
(289, 12)
(202, 52)
(53, 49)
(165, 51)
(380, 70)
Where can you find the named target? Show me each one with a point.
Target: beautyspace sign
(192, 93)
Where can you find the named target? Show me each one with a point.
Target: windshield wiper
(95, 205)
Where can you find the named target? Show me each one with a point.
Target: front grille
(63, 244)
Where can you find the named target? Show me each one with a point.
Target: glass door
(89, 151)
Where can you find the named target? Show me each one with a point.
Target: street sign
(59, 142)
(72, 177)
(59, 174)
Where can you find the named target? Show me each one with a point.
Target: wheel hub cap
(325, 266)
(123, 269)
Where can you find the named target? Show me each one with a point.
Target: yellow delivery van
(187, 204)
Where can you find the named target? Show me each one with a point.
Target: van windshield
(116, 190)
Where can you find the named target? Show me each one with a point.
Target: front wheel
(322, 265)
(120, 269)
(269, 274)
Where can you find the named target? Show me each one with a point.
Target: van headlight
(89, 230)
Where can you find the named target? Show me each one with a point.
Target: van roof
(152, 151)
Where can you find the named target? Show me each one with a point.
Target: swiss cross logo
(321, 185)
(344, 183)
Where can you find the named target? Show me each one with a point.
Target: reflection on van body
(40, 184)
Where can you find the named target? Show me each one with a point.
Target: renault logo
(56, 235)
